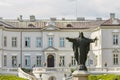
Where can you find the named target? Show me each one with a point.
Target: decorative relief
(116, 50)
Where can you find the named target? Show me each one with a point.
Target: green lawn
(91, 77)
(10, 77)
(104, 77)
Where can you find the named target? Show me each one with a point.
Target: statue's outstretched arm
(95, 39)
(71, 39)
(92, 40)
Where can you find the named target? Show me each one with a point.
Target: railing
(104, 70)
(69, 78)
(42, 69)
(90, 69)
(22, 74)
(9, 71)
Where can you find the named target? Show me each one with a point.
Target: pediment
(50, 25)
(6, 24)
(50, 28)
(116, 50)
(50, 49)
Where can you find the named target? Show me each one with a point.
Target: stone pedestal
(80, 75)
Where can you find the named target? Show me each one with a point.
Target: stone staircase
(25, 75)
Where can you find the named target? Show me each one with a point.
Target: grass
(10, 77)
(104, 77)
(91, 77)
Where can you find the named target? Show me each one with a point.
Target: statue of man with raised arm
(81, 46)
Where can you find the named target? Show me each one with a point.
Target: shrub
(26, 70)
(72, 70)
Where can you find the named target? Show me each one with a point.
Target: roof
(111, 22)
(67, 24)
(5, 24)
(60, 24)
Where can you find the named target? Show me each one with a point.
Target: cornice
(42, 30)
(109, 27)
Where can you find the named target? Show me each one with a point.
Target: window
(50, 41)
(73, 61)
(14, 61)
(89, 61)
(38, 60)
(5, 41)
(14, 41)
(96, 42)
(62, 61)
(115, 39)
(27, 61)
(38, 42)
(27, 41)
(5, 60)
(115, 59)
(62, 42)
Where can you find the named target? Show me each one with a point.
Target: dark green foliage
(26, 70)
(104, 77)
(72, 70)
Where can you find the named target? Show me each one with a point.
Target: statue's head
(81, 35)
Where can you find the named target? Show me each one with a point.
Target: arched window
(31, 25)
(69, 25)
(52, 78)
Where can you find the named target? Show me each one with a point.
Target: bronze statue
(81, 46)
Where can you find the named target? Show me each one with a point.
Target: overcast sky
(59, 8)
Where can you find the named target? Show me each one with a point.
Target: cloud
(5, 4)
(59, 8)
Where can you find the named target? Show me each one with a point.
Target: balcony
(92, 70)
(52, 69)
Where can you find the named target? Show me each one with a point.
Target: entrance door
(50, 61)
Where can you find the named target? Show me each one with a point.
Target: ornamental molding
(116, 50)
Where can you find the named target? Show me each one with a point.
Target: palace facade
(41, 45)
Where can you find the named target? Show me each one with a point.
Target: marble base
(80, 75)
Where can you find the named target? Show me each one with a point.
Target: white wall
(106, 38)
(33, 51)
(102, 43)
(9, 36)
(1, 43)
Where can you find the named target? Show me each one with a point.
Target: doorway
(50, 61)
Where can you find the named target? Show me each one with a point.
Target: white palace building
(40, 45)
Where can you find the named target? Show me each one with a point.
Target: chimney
(80, 19)
(20, 18)
(32, 18)
(53, 19)
(1, 18)
(98, 19)
(112, 15)
(63, 19)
